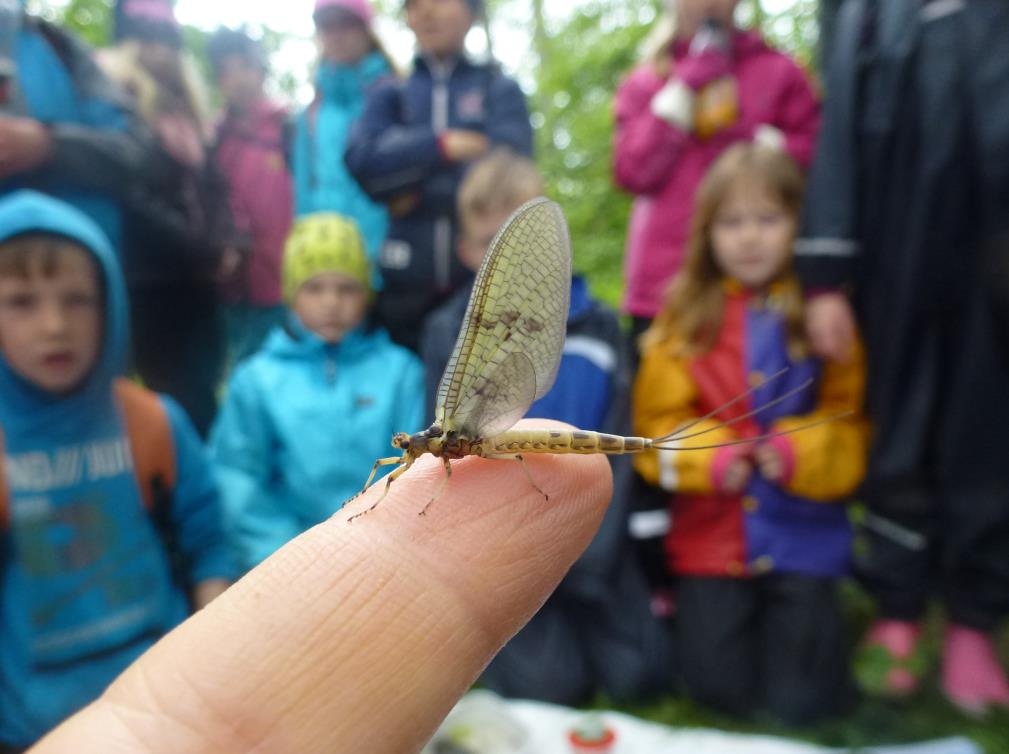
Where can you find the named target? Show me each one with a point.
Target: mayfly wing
(509, 347)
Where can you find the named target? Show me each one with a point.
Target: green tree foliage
(581, 64)
(89, 19)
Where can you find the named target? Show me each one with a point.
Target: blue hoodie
(322, 182)
(85, 584)
(302, 424)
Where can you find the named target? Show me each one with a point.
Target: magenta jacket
(252, 154)
(662, 165)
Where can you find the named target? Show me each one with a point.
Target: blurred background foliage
(576, 62)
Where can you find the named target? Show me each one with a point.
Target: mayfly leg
(441, 487)
(396, 474)
(374, 470)
(522, 462)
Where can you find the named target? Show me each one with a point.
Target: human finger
(359, 636)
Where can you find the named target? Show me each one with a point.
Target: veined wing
(509, 347)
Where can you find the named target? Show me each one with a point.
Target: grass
(927, 715)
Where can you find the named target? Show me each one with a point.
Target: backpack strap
(151, 443)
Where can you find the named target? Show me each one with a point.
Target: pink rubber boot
(971, 676)
(892, 647)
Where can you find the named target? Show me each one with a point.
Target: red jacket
(662, 165)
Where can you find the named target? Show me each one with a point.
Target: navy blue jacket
(393, 153)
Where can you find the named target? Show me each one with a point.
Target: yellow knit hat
(323, 242)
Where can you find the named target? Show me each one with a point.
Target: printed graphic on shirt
(87, 562)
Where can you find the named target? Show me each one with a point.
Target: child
(595, 633)
(353, 62)
(660, 154)
(411, 149)
(176, 228)
(759, 536)
(306, 417)
(251, 152)
(87, 579)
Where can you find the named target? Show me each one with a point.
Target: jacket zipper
(442, 239)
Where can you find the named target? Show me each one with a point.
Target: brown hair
(500, 182)
(691, 314)
(48, 248)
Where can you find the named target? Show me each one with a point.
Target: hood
(27, 212)
(336, 82)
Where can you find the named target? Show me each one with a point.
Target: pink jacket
(251, 154)
(662, 165)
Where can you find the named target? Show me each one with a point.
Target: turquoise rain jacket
(322, 182)
(301, 426)
(85, 583)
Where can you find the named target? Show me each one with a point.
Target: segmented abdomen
(518, 441)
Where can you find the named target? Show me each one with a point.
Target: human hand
(359, 636)
(737, 475)
(25, 144)
(461, 145)
(227, 268)
(207, 591)
(403, 204)
(830, 325)
(775, 459)
(697, 71)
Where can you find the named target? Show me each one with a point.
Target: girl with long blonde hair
(759, 534)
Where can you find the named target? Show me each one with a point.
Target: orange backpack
(151, 444)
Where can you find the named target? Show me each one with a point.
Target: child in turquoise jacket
(306, 417)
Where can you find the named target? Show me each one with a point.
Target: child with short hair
(109, 518)
(760, 536)
(250, 150)
(412, 146)
(306, 417)
(596, 633)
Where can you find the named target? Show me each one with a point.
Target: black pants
(178, 345)
(938, 481)
(771, 644)
(596, 633)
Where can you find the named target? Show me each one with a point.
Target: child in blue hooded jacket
(307, 416)
(352, 63)
(88, 580)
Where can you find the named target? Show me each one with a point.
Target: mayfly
(507, 354)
